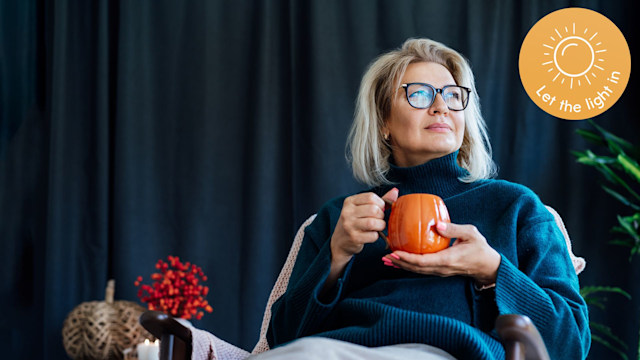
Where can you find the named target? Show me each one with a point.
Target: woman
(418, 129)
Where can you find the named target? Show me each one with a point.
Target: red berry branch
(176, 290)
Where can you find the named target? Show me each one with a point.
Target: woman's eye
(419, 93)
(453, 95)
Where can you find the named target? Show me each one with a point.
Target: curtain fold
(211, 130)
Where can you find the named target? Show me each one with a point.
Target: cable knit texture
(376, 305)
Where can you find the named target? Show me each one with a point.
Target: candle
(148, 350)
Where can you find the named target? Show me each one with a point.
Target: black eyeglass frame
(436, 91)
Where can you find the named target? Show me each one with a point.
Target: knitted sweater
(375, 305)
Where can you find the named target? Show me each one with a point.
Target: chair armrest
(175, 338)
(520, 338)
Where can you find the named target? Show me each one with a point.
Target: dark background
(210, 130)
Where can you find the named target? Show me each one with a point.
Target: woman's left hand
(470, 255)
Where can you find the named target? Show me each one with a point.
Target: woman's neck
(440, 176)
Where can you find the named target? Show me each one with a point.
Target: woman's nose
(438, 106)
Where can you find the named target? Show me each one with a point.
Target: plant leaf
(620, 198)
(606, 331)
(612, 176)
(619, 142)
(605, 160)
(626, 223)
(626, 242)
(595, 302)
(577, 153)
(587, 291)
(591, 137)
(608, 345)
(630, 166)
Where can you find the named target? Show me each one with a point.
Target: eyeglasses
(422, 96)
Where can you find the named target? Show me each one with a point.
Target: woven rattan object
(102, 329)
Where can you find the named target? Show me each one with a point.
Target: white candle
(148, 350)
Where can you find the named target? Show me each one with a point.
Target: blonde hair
(368, 152)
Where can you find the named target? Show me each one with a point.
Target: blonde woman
(418, 129)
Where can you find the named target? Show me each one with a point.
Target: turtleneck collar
(439, 176)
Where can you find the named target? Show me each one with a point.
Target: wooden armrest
(175, 338)
(520, 338)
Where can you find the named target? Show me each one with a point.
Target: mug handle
(388, 205)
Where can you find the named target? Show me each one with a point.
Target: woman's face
(419, 135)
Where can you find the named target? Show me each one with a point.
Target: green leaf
(630, 166)
(605, 160)
(587, 291)
(577, 153)
(606, 331)
(591, 137)
(595, 302)
(613, 177)
(608, 345)
(626, 242)
(587, 161)
(618, 229)
(620, 198)
(632, 220)
(627, 225)
(619, 143)
(615, 147)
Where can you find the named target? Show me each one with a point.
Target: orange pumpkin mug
(412, 224)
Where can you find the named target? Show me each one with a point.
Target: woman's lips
(439, 127)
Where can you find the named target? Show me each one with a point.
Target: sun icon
(573, 57)
(574, 63)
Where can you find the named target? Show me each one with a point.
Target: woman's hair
(369, 153)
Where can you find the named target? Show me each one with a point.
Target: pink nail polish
(396, 266)
(441, 226)
(388, 264)
(395, 256)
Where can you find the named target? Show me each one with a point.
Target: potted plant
(621, 171)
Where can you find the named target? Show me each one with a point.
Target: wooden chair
(519, 336)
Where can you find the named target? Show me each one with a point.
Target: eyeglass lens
(422, 96)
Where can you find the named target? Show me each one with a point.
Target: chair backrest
(283, 279)
(281, 286)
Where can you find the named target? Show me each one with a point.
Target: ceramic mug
(412, 224)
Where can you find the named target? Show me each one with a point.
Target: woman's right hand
(361, 218)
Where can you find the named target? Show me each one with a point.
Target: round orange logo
(574, 63)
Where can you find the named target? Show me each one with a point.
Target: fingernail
(395, 256)
(388, 264)
(441, 226)
(395, 266)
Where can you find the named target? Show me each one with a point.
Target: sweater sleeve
(542, 284)
(300, 311)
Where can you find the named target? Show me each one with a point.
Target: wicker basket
(103, 329)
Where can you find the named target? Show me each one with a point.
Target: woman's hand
(361, 218)
(470, 255)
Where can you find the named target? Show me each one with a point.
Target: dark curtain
(210, 130)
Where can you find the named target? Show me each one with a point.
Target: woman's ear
(386, 134)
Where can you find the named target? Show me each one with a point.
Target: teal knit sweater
(376, 305)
